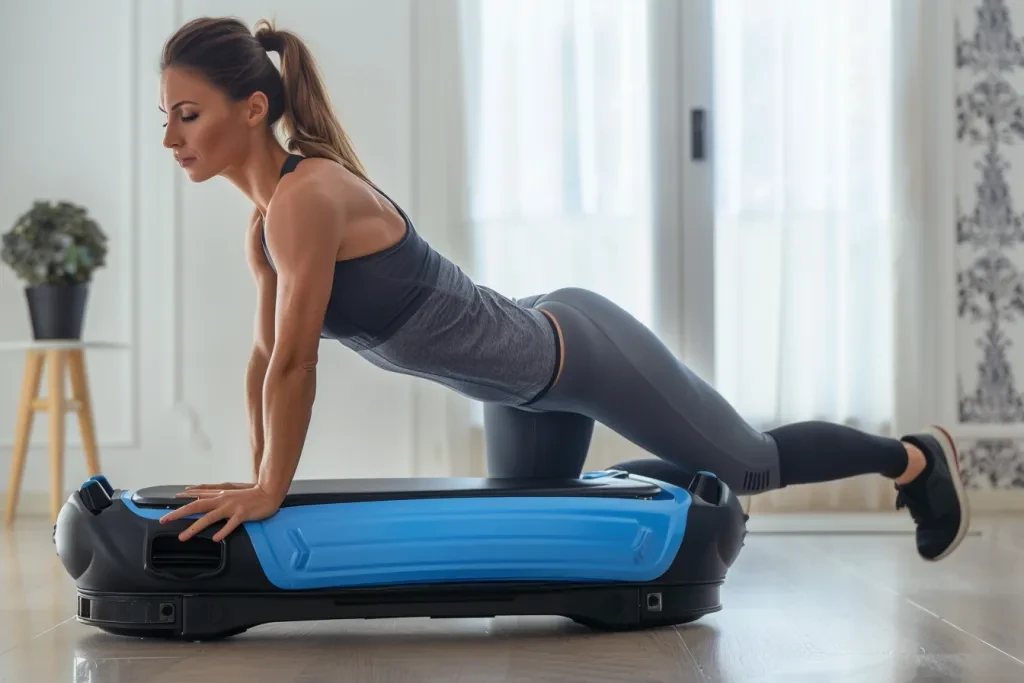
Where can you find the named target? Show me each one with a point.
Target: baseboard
(996, 500)
(32, 504)
(830, 523)
(985, 504)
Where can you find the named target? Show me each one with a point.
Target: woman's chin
(196, 174)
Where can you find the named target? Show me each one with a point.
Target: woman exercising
(332, 256)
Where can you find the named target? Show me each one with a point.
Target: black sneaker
(936, 498)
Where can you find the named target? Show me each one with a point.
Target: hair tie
(270, 40)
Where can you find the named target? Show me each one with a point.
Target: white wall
(80, 122)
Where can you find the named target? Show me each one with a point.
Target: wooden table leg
(55, 373)
(23, 428)
(80, 392)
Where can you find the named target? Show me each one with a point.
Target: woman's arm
(255, 373)
(302, 237)
(303, 241)
(263, 338)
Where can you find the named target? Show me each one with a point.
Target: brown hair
(237, 62)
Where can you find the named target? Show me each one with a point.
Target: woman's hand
(224, 486)
(234, 505)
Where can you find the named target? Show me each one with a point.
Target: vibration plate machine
(611, 550)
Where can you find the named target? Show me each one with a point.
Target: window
(803, 209)
(558, 120)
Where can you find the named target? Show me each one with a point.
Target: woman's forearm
(255, 375)
(288, 393)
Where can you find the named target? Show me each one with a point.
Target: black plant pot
(57, 311)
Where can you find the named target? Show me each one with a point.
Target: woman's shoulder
(313, 180)
(315, 191)
(308, 210)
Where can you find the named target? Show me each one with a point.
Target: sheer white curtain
(557, 116)
(817, 145)
(804, 111)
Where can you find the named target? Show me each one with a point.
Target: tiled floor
(816, 607)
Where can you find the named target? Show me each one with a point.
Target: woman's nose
(170, 139)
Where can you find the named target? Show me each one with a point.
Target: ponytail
(307, 121)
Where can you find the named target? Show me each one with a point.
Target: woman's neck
(259, 173)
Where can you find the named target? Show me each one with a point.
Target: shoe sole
(949, 452)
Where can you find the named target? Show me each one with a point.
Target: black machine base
(208, 617)
(132, 581)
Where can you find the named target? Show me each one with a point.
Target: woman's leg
(542, 445)
(617, 372)
(535, 444)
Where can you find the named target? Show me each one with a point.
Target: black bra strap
(290, 163)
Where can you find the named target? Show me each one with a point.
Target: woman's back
(405, 307)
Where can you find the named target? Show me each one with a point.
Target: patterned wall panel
(992, 463)
(990, 234)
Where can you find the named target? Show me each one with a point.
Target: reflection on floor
(798, 607)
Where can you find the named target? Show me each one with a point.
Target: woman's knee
(528, 443)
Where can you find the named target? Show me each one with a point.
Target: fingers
(203, 522)
(221, 487)
(195, 507)
(229, 526)
(215, 505)
(215, 511)
(199, 493)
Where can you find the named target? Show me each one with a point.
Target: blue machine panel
(465, 539)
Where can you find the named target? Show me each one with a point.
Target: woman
(332, 256)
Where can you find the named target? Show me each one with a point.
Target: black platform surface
(321, 491)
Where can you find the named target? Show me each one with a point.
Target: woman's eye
(186, 118)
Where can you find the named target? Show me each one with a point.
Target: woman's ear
(257, 107)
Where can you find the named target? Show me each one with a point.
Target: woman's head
(222, 93)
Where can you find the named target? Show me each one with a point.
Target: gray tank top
(410, 310)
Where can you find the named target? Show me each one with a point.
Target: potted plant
(54, 248)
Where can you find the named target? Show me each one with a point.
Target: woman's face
(205, 130)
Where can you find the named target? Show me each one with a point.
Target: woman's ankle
(916, 464)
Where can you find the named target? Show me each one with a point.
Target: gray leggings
(618, 373)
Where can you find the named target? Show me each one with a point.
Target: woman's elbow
(291, 362)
